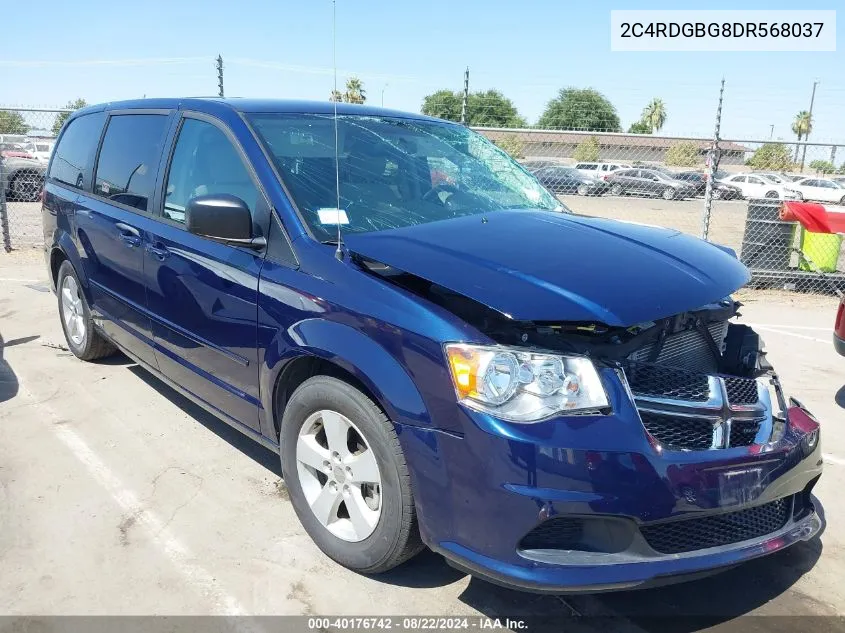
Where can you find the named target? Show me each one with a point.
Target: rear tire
(318, 404)
(668, 193)
(772, 194)
(842, 202)
(82, 337)
(583, 190)
(616, 190)
(717, 194)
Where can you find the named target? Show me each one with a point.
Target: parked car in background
(15, 150)
(756, 186)
(24, 178)
(599, 170)
(821, 189)
(781, 179)
(839, 328)
(465, 366)
(42, 150)
(648, 182)
(567, 180)
(839, 179)
(721, 190)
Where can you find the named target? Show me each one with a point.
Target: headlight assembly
(523, 386)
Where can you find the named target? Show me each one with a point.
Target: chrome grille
(680, 433)
(692, 411)
(741, 390)
(686, 350)
(647, 379)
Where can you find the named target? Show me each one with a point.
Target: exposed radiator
(686, 350)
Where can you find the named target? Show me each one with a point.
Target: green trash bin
(822, 249)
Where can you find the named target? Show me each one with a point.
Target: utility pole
(713, 159)
(807, 135)
(772, 131)
(382, 94)
(220, 74)
(465, 100)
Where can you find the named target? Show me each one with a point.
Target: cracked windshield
(392, 172)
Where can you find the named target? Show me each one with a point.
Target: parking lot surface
(118, 496)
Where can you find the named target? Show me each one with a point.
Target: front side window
(129, 158)
(75, 152)
(205, 163)
(393, 172)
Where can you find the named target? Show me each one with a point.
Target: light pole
(807, 135)
(382, 94)
(772, 132)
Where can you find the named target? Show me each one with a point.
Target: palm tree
(336, 95)
(801, 126)
(654, 115)
(355, 92)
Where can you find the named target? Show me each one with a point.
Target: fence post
(4, 212)
(713, 158)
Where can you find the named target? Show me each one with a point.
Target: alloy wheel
(339, 475)
(72, 311)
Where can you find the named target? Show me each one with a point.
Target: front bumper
(479, 496)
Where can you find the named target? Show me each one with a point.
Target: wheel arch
(329, 348)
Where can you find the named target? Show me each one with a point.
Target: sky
(104, 50)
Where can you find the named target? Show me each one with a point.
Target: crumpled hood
(547, 266)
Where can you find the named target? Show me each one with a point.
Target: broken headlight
(523, 386)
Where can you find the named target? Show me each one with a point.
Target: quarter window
(129, 158)
(75, 153)
(204, 163)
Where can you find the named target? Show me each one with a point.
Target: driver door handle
(129, 235)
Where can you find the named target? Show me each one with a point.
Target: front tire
(772, 194)
(583, 190)
(616, 190)
(717, 194)
(668, 193)
(82, 338)
(347, 476)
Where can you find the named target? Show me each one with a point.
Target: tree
(62, 116)
(640, 127)
(489, 108)
(802, 126)
(587, 151)
(771, 156)
(580, 109)
(822, 166)
(683, 154)
(355, 92)
(513, 145)
(12, 123)
(654, 115)
(492, 109)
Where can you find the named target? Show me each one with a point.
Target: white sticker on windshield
(332, 216)
(532, 194)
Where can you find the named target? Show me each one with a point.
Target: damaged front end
(699, 380)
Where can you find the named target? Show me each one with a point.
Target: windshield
(393, 172)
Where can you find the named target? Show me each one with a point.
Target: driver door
(203, 294)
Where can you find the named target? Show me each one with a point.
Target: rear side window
(129, 158)
(587, 166)
(75, 152)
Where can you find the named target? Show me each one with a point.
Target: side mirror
(223, 218)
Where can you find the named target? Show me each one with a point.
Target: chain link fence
(729, 191)
(27, 137)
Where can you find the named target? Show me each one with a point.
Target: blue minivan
(441, 352)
